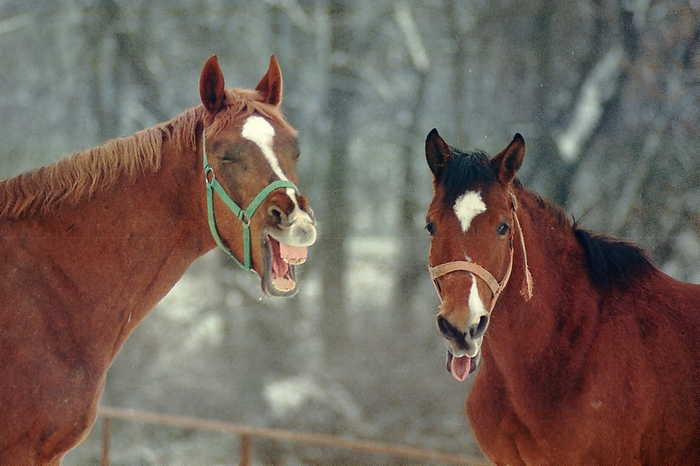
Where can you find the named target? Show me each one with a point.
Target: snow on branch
(597, 89)
(414, 41)
(16, 22)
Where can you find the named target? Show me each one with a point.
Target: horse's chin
(279, 261)
(461, 367)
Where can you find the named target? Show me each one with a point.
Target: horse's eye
(502, 228)
(231, 155)
(430, 227)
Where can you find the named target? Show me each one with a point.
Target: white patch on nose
(476, 306)
(467, 206)
(476, 312)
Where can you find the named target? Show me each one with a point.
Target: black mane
(612, 261)
(466, 171)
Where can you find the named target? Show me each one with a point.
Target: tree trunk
(337, 208)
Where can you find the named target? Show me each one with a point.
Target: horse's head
(473, 224)
(250, 153)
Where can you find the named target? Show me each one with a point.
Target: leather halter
(244, 215)
(486, 276)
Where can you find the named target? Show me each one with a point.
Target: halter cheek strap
(486, 276)
(245, 216)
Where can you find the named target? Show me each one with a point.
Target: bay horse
(586, 352)
(91, 243)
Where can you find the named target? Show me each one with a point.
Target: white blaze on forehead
(467, 206)
(258, 130)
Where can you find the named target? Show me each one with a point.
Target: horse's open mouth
(279, 262)
(461, 366)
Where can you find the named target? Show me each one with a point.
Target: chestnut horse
(587, 353)
(91, 243)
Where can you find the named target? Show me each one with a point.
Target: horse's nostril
(479, 329)
(276, 214)
(447, 329)
(442, 325)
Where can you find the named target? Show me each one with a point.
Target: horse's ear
(270, 86)
(507, 162)
(211, 85)
(437, 152)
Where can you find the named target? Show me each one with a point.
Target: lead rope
(528, 284)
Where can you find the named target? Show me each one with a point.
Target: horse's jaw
(279, 262)
(285, 247)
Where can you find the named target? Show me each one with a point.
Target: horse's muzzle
(473, 332)
(463, 347)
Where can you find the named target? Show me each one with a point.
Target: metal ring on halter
(209, 171)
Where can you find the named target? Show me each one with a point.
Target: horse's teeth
(294, 261)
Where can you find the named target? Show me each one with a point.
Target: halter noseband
(244, 216)
(495, 286)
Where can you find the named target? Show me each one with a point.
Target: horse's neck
(119, 252)
(539, 335)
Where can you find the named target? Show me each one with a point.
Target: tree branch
(599, 87)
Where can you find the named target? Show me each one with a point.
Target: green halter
(243, 215)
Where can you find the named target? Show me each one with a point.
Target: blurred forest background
(606, 94)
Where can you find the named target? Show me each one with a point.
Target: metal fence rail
(247, 433)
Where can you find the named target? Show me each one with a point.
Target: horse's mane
(465, 171)
(82, 174)
(242, 103)
(610, 261)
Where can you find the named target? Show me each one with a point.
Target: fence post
(245, 450)
(106, 426)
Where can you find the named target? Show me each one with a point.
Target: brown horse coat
(90, 244)
(599, 364)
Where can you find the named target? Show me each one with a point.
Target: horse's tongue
(283, 255)
(293, 254)
(280, 275)
(460, 367)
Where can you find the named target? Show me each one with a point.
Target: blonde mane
(82, 174)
